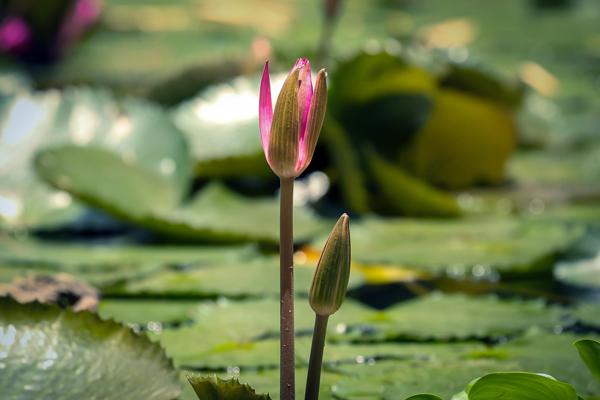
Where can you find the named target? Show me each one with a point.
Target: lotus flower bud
(330, 281)
(289, 133)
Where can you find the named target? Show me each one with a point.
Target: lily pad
(456, 316)
(83, 117)
(446, 376)
(257, 277)
(476, 246)
(215, 214)
(234, 333)
(147, 311)
(52, 353)
(588, 314)
(225, 327)
(105, 265)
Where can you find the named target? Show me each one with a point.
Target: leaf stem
(313, 380)
(286, 271)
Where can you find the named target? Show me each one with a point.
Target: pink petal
(14, 34)
(305, 94)
(265, 109)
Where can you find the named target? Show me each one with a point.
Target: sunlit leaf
(50, 353)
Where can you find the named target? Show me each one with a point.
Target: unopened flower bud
(330, 281)
(289, 133)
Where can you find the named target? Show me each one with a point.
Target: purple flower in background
(14, 35)
(36, 32)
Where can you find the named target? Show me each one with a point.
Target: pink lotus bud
(289, 134)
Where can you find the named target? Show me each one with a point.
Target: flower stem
(286, 276)
(316, 357)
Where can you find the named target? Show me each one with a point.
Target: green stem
(286, 276)
(316, 357)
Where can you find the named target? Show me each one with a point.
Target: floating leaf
(136, 311)
(520, 386)
(589, 351)
(105, 265)
(257, 277)
(215, 214)
(456, 316)
(477, 246)
(446, 375)
(52, 353)
(588, 314)
(214, 388)
(83, 117)
(230, 329)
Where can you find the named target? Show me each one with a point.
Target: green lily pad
(214, 388)
(457, 316)
(226, 327)
(563, 362)
(582, 274)
(521, 386)
(138, 196)
(90, 118)
(233, 332)
(476, 246)
(257, 277)
(588, 314)
(105, 265)
(52, 353)
(134, 311)
(445, 376)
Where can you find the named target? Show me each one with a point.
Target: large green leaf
(132, 133)
(215, 214)
(51, 353)
(520, 386)
(589, 351)
(476, 246)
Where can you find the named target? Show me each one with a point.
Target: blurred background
(461, 136)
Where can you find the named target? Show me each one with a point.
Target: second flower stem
(286, 271)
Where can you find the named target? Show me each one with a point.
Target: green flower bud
(330, 281)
